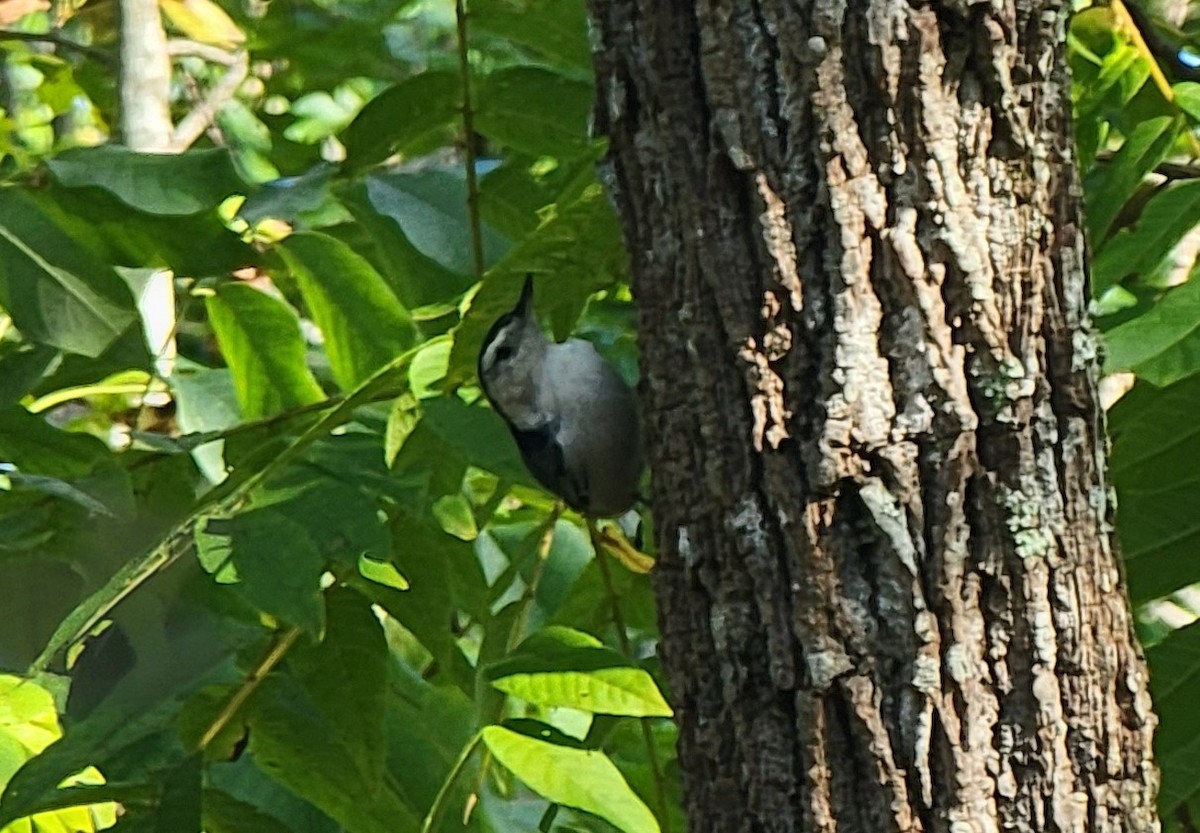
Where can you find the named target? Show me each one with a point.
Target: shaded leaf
(57, 288)
(403, 116)
(1175, 674)
(535, 111)
(1143, 249)
(431, 209)
(292, 744)
(345, 676)
(363, 323)
(156, 183)
(278, 565)
(1156, 446)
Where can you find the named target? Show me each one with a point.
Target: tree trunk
(888, 595)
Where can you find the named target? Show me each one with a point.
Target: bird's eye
(503, 353)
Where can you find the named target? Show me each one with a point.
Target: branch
(279, 647)
(179, 47)
(198, 120)
(101, 55)
(468, 117)
(1169, 170)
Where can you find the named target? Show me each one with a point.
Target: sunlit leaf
(202, 20)
(563, 667)
(582, 778)
(1162, 345)
(261, 341)
(1109, 186)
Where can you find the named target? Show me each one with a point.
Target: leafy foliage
(1137, 126)
(294, 576)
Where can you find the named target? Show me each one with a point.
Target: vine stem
(660, 786)
(443, 794)
(468, 120)
(545, 542)
(279, 648)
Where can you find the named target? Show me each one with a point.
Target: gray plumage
(573, 417)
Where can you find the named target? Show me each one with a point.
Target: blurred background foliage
(268, 563)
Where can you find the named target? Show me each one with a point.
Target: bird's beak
(524, 306)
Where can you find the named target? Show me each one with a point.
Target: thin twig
(545, 542)
(443, 794)
(58, 40)
(202, 115)
(468, 117)
(660, 785)
(279, 648)
(1168, 170)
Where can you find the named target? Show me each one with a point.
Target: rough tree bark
(888, 595)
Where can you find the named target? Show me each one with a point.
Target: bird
(574, 419)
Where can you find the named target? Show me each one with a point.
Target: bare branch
(55, 39)
(198, 120)
(179, 47)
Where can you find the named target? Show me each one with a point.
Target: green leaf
(261, 341)
(338, 517)
(576, 251)
(225, 814)
(155, 183)
(1147, 246)
(403, 117)
(364, 324)
(382, 572)
(22, 368)
(178, 805)
(535, 111)
(1155, 461)
(454, 515)
(431, 209)
(278, 564)
(554, 29)
(418, 279)
(565, 667)
(345, 676)
(35, 446)
(479, 434)
(402, 419)
(1174, 676)
(54, 283)
(1187, 96)
(1110, 186)
(291, 199)
(1162, 345)
(581, 778)
(291, 743)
